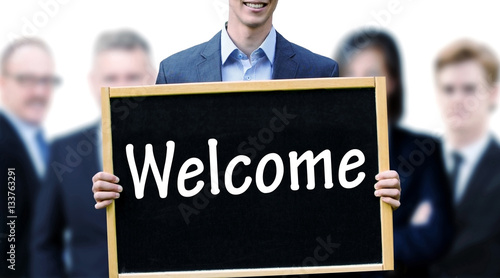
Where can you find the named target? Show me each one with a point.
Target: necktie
(455, 172)
(42, 147)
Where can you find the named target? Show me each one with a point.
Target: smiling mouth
(255, 5)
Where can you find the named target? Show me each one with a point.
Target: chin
(35, 118)
(254, 20)
(461, 128)
(254, 23)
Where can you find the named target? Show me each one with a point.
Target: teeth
(255, 5)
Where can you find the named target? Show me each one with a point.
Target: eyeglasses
(30, 80)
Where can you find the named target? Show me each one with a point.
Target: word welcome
(294, 162)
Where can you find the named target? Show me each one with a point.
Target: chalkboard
(253, 178)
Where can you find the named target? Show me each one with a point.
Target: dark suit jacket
(416, 247)
(66, 202)
(476, 247)
(13, 154)
(202, 63)
(418, 160)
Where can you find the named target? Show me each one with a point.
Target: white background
(421, 29)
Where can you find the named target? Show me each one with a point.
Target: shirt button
(248, 77)
(240, 56)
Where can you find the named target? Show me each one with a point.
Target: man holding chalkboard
(248, 48)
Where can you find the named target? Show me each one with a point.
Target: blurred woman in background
(423, 224)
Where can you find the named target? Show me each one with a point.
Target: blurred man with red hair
(467, 90)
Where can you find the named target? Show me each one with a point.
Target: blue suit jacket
(66, 203)
(203, 62)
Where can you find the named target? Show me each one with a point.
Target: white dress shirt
(470, 155)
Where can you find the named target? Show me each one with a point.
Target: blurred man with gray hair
(27, 81)
(71, 234)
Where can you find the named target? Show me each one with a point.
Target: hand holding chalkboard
(106, 188)
(388, 188)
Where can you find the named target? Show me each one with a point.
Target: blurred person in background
(67, 222)
(27, 81)
(466, 84)
(422, 225)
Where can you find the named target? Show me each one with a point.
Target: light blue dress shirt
(237, 66)
(28, 134)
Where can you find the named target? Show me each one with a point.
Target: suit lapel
(482, 187)
(10, 137)
(209, 69)
(284, 65)
(481, 177)
(14, 147)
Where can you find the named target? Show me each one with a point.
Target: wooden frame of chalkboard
(376, 88)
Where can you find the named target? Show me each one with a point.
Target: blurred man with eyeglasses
(27, 81)
(66, 223)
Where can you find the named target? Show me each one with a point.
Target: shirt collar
(228, 46)
(24, 129)
(470, 153)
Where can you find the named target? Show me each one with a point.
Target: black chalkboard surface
(247, 179)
